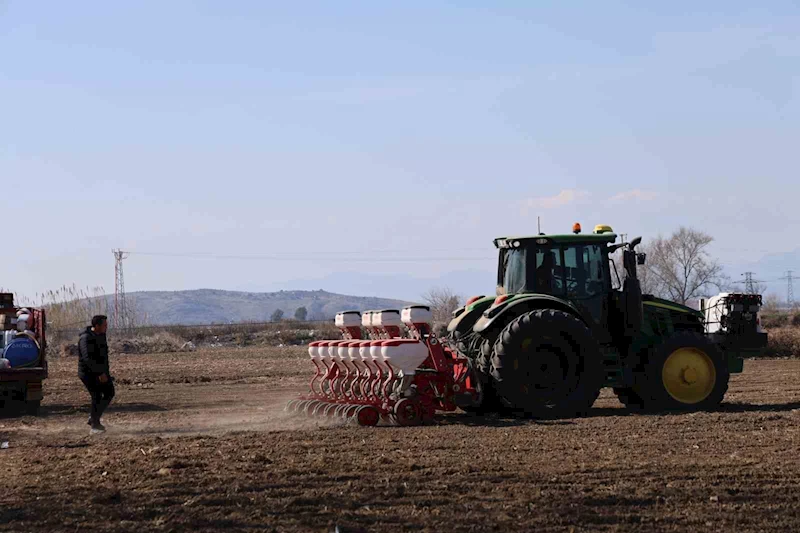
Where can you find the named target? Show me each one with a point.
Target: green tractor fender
(465, 317)
(520, 304)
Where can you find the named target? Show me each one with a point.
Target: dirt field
(199, 442)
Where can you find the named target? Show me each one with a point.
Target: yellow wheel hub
(689, 375)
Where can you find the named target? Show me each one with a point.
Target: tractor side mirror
(640, 259)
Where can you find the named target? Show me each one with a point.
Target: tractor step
(612, 364)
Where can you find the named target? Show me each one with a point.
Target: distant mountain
(402, 286)
(208, 306)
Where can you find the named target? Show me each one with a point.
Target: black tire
(32, 407)
(652, 386)
(546, 364)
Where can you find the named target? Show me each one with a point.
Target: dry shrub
(780, 319)
(68, 349)
(783, 342)
(160, 342)
(774, 320)
(165, 339)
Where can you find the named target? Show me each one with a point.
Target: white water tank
(715, 309)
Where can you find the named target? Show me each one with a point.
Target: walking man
(93, 369)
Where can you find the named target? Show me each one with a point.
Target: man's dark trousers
(102, 394)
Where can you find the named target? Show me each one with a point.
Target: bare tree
(759, 288)
(442, 301)
(649, 283)
(680, 268)
(772, 303)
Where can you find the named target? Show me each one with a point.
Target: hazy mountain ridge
(208, 306)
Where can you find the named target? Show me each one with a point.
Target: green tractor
(557, 332)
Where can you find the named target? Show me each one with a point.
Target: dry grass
(161, 342)
(68, 305)
(780, 319)
(167, 339)
(783, 342)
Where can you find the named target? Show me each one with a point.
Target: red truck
(23, 355)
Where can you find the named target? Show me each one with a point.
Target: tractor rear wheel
(546, 363)
(686, 372)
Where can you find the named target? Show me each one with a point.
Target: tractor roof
(592, 238)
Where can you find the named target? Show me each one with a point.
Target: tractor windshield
(583, 271)
(512, 272)
(571, 270)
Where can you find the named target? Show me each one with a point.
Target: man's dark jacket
(93, 354)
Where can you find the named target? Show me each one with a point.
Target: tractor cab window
(583, 269)
(513, 271)
(549, 272)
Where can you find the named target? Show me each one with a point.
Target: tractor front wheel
(686, 372)
(546, 363)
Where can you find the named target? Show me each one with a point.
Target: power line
(370, 251)
(316, 257)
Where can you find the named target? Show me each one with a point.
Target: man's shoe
(97, 427)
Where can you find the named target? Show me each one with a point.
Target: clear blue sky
(424, 128)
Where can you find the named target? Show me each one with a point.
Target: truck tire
(546, 364)
(685, 372)
(32, 407)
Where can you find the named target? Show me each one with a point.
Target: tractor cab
(573, 267)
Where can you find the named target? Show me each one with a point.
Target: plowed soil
(199, 442)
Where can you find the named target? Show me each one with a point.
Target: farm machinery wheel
(546, 363)
(407, 413)
(687, 371)
(366, 415)
(350, 411)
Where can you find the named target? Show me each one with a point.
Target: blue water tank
(21, 352)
